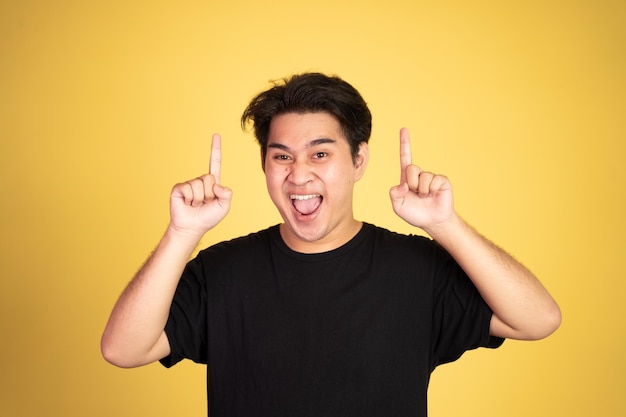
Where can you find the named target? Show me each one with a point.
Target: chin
(304, 232)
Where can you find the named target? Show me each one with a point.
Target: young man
(322, 315)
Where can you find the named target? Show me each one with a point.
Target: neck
(320, 242)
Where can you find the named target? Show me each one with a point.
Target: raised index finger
(405, 153)
(215, 164)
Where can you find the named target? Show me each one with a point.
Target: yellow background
(105, 105)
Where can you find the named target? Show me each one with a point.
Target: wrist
(447, 229)
(182, 237)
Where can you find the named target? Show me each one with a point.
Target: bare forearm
(522, 307)
(134, 335)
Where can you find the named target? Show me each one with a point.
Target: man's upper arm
(160, 350)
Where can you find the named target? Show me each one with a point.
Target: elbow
(553, 320)
(547, 324)
(536, 325)
(110, 354)
(127, 352)
(113, 354)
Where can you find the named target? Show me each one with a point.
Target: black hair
(311, 92)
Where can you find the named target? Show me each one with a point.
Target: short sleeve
(186, 327)
(461, 318)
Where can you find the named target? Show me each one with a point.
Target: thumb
(398, 192)
(222, 193)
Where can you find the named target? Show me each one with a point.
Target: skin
(522, 308)
(308, 155)
(134, 335)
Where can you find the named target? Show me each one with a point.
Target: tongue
(307, 206)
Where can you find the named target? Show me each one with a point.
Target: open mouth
(306, 204)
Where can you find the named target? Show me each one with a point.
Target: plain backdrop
(105, 105)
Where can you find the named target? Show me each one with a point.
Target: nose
(301, 173)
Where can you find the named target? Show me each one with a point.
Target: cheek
(338, 185)
(340, 174)
(274, 177)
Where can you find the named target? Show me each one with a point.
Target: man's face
(310, 176)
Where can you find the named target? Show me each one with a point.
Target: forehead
(303, 128)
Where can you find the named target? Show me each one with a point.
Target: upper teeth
(303, 197)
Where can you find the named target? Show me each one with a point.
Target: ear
(362, 159)
(262, 158)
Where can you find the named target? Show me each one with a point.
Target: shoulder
(251, 244)
(241, 255)
(405, 246)
(386, 236)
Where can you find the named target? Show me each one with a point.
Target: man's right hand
(198, 205)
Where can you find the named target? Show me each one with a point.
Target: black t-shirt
(355, 331)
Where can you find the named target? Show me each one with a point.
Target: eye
(281, 157)
(320, 154)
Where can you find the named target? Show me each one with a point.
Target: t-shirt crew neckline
(362, 234)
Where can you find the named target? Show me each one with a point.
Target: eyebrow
(314, 142)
